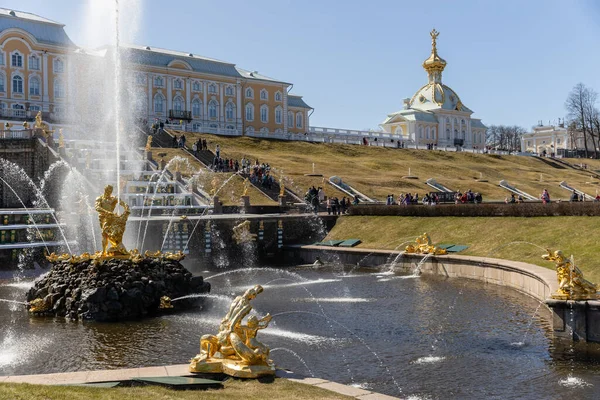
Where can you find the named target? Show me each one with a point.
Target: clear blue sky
(512, 62)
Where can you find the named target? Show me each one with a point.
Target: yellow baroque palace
(41, 69)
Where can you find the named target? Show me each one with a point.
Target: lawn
(234, 390)
(486, 237)
(377, 171)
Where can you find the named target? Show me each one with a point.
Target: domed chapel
(435, 114)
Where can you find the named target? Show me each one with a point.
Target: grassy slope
(378, 171)
(487, 237)
(234, 390)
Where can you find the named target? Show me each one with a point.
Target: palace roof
(296, 101)
(42, 29)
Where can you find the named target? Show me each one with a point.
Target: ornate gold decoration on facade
(235, 350)
(165, 302)
(149, 143)
(571, 283)
(280, 224)
(111, 223)
(434, 63)
(39, 305)
(242, 234)
(423, 245)
(261, 225)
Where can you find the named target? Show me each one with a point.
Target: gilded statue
(242, 234)
(39, 305)
(246, 187)
(214, 182)
(281, 187)
(149, 144)
(111, 223)
(423, 245)
(165, 302)
(61, 139)
(571, 283)
(235, 350)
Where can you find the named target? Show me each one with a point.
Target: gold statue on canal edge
(571, 283)
(111, 223)
(235, 350)
(242, 234)
(423, 245)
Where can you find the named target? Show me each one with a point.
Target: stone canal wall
(571, 320)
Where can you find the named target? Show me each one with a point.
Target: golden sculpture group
(571, 283)
(113, 225)
(234, 350)
(242, 234)
(423, 245)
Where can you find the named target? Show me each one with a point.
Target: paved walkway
(79, 377)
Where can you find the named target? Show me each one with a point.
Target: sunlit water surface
(425, 337)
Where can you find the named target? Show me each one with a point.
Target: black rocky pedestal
(114, 289)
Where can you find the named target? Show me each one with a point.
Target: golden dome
(434, 63)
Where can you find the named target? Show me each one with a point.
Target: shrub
(534, 209)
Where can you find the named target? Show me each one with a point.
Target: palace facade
(435, 114)
(41, 69)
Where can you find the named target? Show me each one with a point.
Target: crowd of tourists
(334, 206)
(467, 197)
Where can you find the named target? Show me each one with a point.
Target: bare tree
(581, 108)
(504, 137)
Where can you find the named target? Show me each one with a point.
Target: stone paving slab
(109, 375)
(343, 389)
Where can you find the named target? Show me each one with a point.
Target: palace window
(212, 88)
(178, 103)
(433, 133)
(1, 82)
(1, 58)
(264, 95)
(35, 108)
(264, 113)
(420, 132)
(34, 87)
(278, 115)
(456, 134)
(34, 63)
(196, 108)
(17, 60)
(299, 120)
(212, 109)
(249, 112)
(278, 96)
(250, 130)
(557, 141)
(250, 93)
(159, 101)
(17, 84)
(229, 110)
(59, 66)
(290, 120)
(177, 84)
(20, 110)
(158, 81)
(448, 133)
(230, 127)
(196, 86)
(59, 89)
(229, 91)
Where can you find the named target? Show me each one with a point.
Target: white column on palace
(150, 102)
(169, 94)
(239, 104)
(188, 95)
(221, 101)
(205, 104)
(46, 97)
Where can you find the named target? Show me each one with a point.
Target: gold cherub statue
(235, 350)
(281, 187)
(571, 283)
(149, 144)
(112, 224)
(423, 245)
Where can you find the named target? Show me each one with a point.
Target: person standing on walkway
(218, 151)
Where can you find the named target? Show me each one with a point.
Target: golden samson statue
(423, 245)
(571, 283)
(235, 350)
(111, 223)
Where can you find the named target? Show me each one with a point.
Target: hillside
(377, 171)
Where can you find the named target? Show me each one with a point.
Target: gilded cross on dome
(434, 34)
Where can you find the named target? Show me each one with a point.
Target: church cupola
(434, 65)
